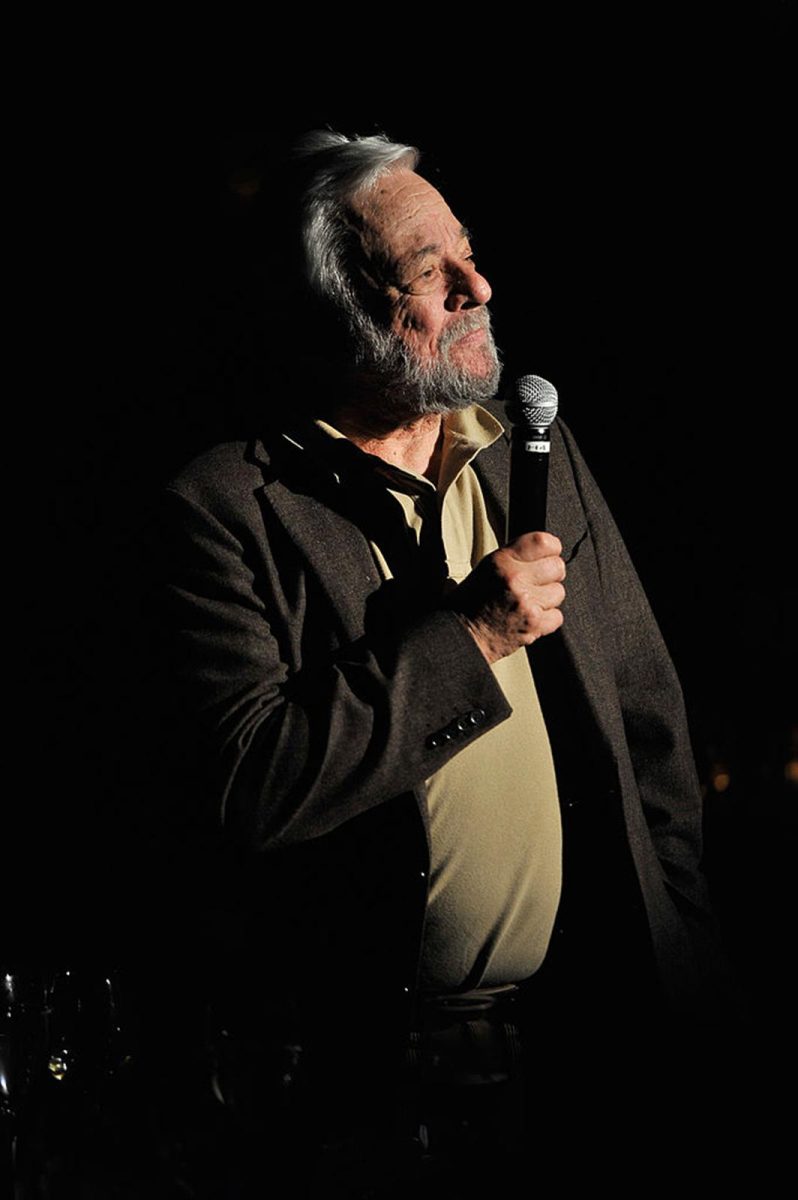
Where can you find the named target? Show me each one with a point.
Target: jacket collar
(309, 504)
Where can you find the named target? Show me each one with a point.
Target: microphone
(531, 406)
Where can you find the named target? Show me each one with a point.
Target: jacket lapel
(581, 641)
(564, 511)
(306, 500)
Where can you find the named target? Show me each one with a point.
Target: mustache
(466, 324)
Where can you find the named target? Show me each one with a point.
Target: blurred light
(791, 770)
(59, 1066)
(720, 777)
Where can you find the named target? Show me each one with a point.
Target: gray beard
(411, 388)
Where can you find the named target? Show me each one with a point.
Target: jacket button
(477, 716)
(434, 741)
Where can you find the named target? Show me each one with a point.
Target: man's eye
(425, 281)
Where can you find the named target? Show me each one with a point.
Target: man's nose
(467, 288)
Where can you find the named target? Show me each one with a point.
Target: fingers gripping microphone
(531, 407)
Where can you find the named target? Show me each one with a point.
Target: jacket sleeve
(295, 752)
(652, 706)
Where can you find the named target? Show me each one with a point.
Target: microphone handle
(529, 479)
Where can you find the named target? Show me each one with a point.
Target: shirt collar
(466, 433)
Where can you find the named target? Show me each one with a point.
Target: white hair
(335, 169)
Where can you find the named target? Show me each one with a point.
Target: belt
(463, 1040)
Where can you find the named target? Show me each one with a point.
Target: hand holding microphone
(513, 596)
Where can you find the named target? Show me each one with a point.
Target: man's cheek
(420, 343)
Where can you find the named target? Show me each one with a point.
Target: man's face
(431, 298)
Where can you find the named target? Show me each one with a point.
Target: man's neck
(414, 447)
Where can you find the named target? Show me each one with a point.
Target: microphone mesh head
(532, 401)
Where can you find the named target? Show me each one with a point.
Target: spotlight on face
(435, 350)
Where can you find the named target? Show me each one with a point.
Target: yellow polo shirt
(494, 817)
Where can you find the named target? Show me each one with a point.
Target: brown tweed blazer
(318, 705)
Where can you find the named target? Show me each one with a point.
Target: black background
(629, 188)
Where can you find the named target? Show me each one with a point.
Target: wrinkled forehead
(402, 213)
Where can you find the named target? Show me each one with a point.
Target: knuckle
(530, 545)
(549, 541)
(516, 585)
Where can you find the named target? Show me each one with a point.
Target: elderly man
(451, 777)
